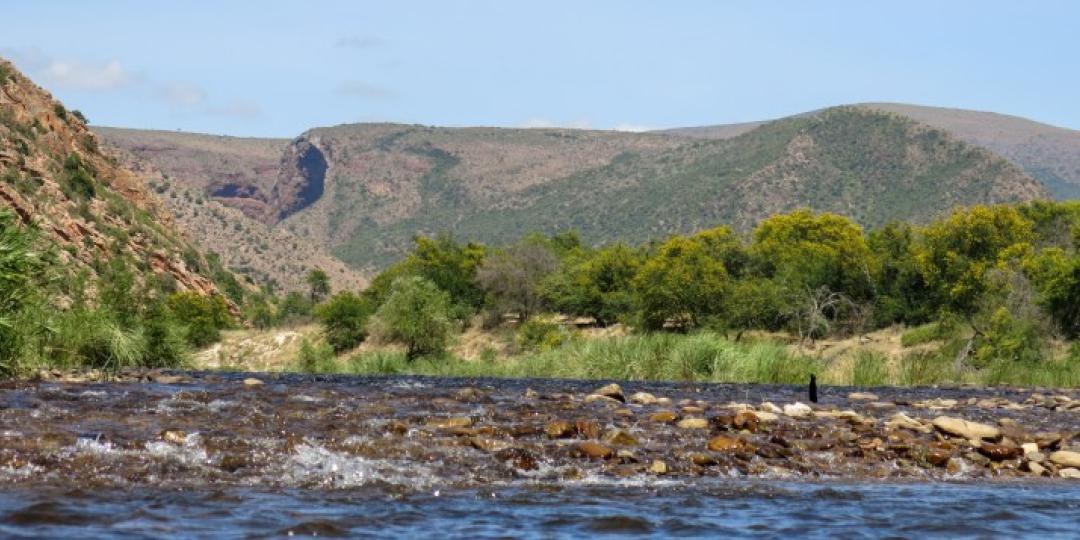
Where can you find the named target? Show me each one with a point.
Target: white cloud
(239, 108)
(358, 42)
(545, 123)
(181, 94)
(632, 128)
(365, 90)
(86, 76)
(69, 73)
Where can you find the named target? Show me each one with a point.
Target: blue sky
(278, 68)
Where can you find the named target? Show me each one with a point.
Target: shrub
(417, 315)
(77, 181)
(538, 335)
(344, 319)
(204, 316)
(317, 358)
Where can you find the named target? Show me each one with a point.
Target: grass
(702, 357)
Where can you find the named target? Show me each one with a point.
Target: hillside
(217, 188)
(362, 191)
(1048, 153)
(91, 212)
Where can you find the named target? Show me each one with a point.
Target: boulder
(693, 423)
(612, 391)
(963, 428)
(1065, 458)
(797, 410)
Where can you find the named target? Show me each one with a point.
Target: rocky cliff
(88, 207)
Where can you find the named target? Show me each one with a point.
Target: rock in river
(966, 429)
(1000, 452)
(619, 437)
(593, 450)
(559, 429)
(1066, 458)
(797, 409)
(726, 443)
(693, 423)
(612, 391)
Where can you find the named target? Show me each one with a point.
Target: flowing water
(205, 455)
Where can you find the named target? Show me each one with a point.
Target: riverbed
(212, 454)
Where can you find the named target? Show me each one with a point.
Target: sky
(266, 68)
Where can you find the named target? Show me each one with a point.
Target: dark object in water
(813, 389)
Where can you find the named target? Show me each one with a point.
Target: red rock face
(37, 136)
(301, 180)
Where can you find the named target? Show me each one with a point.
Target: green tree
(416, 314)
(804, 251)
(1056, 275)
(680, 285)
(597, 284)
(450, 266)
(959, 250)
(902, 295)
(319, 284)
(344, 318)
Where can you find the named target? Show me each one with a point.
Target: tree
(804, 251)
(1056, 276)
(450, 266)
(416, 314)
(344, 319)
(902, 295)
(596, 284)
(512, 278)
(680, 285)
(957, 252)
(319, 283)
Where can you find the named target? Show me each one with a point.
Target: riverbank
(414, 433)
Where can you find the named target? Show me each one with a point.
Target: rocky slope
(362, 191)
(87, 206)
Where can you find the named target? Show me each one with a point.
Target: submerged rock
(664, 417)
(693, 423)
(594, 450)
(559, 429)
(619, 437)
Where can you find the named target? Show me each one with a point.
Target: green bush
(539, 335)
(417, 315)
(344, 319)
(204, 316)
(76, 180)
(316, 358)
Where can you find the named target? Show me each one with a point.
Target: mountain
(363, 190)
(88, 208)
(1050, 154)
(222, 201)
